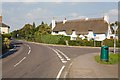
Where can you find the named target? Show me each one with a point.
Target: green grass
(113, 59)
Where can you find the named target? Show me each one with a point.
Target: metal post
(94, 43)
(114, 41)
(115, 27)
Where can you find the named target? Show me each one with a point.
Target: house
(93, 28)
(3, 27)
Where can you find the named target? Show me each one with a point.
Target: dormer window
(56, 31)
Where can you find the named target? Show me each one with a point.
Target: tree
(33, 25)
(44, 29)
(6, 42)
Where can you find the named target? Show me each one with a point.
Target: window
(56, 31)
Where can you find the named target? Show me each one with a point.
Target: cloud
(112, 12)
(38, 13)
(74, 14)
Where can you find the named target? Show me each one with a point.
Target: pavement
(85, 66)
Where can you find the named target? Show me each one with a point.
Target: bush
(6, 36)
(98, 43)
(54, 39)
(109, 42)
(7, 42)
(74, 43)
(81, 42)
(63, 40)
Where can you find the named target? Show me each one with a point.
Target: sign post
(115, 27)
(94, 39)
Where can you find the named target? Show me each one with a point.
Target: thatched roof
(4, 25)
(82, 26)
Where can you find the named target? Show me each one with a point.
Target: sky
(17, 14)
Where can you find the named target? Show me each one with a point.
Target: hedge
(110, 42)
(81, 42)
(54, 39)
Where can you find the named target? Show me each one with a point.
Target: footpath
(85, 66)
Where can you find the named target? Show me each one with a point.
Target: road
(33, 60)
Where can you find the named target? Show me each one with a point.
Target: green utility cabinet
(104, 56)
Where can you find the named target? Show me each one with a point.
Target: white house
(93, 28)
(3, 27)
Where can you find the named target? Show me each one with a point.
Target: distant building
(3, 27)
(93, 28)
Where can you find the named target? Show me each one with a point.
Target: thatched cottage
(93, 28)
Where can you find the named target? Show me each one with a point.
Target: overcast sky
(16, 14)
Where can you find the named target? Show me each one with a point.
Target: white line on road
(63, 54)
(62, 59)
(28, 46)
(19, 62)
(58, 76)
(29, 51)
(66, 73)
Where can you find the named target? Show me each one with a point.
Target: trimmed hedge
(81, 43)
(54, 39)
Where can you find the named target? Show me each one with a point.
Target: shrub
(63, 40)
(108, 42)
(6, 36)
(7, 42)
(75, 43)
(54, 39)
(98, 43)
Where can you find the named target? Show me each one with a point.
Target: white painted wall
(53, 33)
(4, 30)
(90, 35)
(73, 36)
(82, 37)
(62, 33)
(100, 37)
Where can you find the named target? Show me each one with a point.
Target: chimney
(0, 19)
(53, 23)
(106, 18)
(64, 21)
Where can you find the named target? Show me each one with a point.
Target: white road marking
(60, 72)
(58, 55)
(29, 51)
(63, 54)
(29, 48)
(63, 61)
(19, 62)
(66, 73)
(61, 58)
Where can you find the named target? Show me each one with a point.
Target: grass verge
(113, 59)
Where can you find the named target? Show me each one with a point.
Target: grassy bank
(113, 59)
